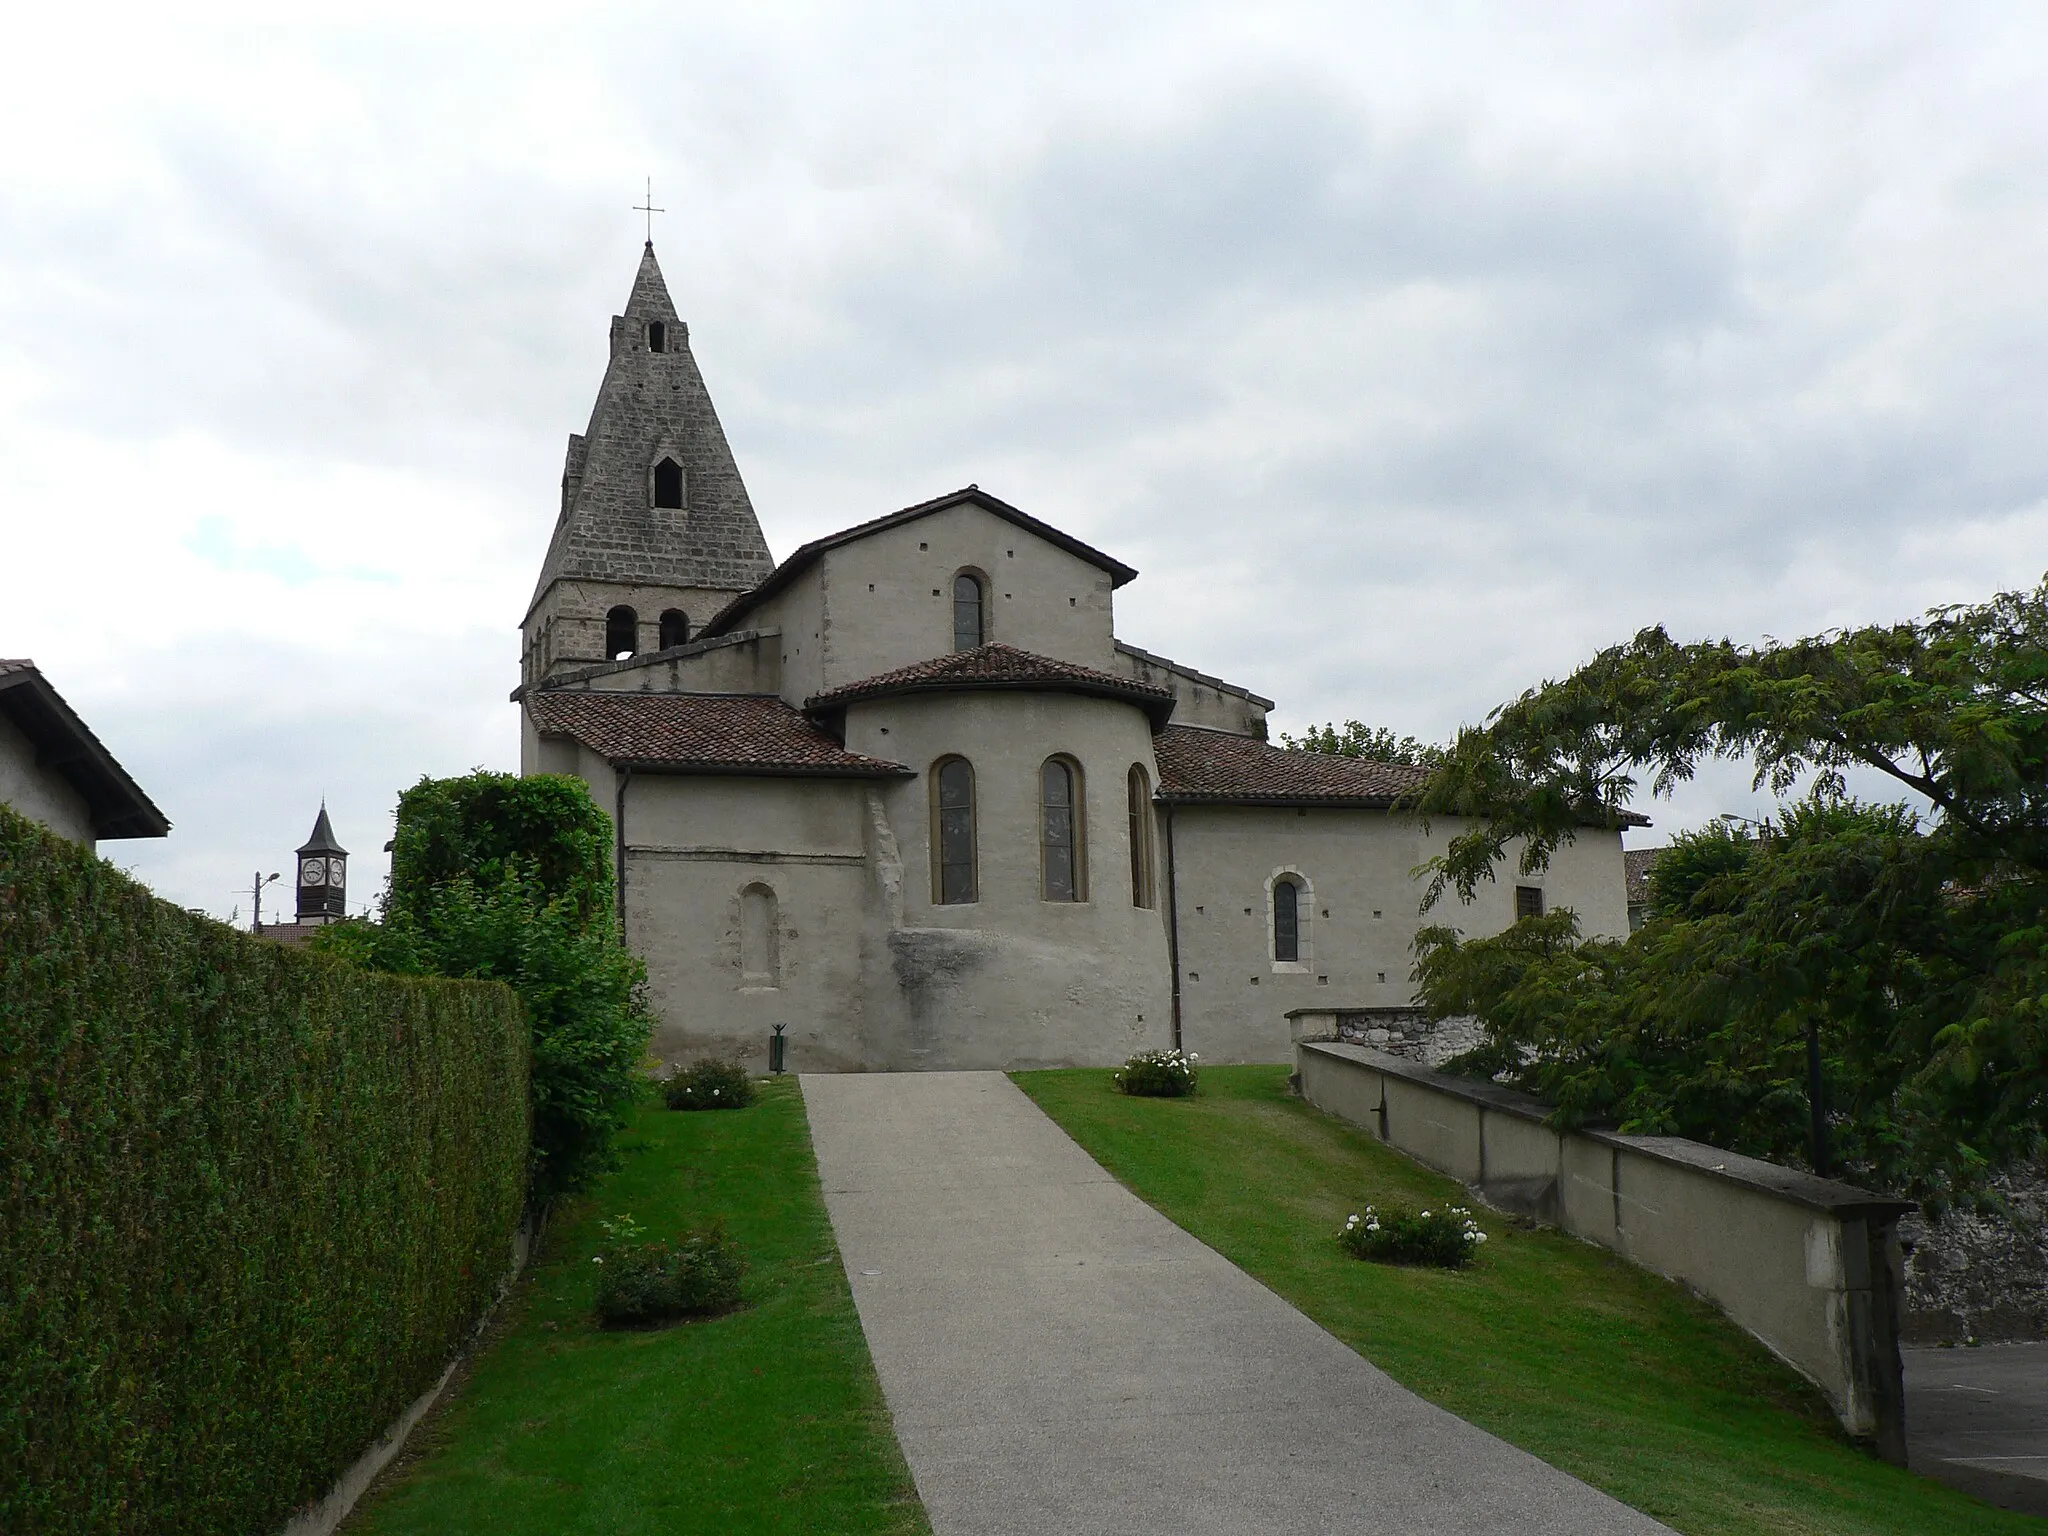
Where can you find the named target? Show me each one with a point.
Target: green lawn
(767, 1419)
(1599, 1368)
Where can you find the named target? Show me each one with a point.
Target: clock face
(313, 872)
(334, 872)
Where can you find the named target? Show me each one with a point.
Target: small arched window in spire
(668, 484)
(621, 633)
(675, 628)
(657, 337)
(967, 611)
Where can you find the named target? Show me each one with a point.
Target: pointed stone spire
(619, 523)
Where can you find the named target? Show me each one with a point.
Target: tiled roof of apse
(701, 733)
(1197, 765)
(998, 668)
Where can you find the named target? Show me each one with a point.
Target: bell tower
(323, 875)
(655, 532)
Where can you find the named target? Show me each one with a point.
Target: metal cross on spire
(649, 209)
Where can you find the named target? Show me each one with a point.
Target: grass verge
(765, 1419)
(1600, 1368)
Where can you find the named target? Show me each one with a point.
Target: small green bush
(1448, 1239)
(641, 1284)
(1158, 1074)
(710, 1084)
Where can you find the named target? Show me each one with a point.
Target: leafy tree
(509, 879)
(1374, 743)
(1916, 955)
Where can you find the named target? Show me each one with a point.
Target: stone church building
(908, 794)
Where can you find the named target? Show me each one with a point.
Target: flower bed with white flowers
(1448, 1238)
(709, 1085)
(1158, 1074)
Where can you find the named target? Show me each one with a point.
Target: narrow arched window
(1140, 791)
(967, 611)
(675, 628)
(657, 337)
(1286, 920)
(759, 941)
(953, 875)
(621, 633)
(1061, 871)
(668, 484)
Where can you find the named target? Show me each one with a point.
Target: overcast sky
(1411, 353)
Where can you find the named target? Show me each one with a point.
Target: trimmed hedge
(251, 1201)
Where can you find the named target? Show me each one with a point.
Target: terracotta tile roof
(700, 733)
(999, 667)
(1636, 864)
(1199, 765)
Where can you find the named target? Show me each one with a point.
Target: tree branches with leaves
(1373, 743)
(1917, 950)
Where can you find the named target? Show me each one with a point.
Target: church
(907, 795)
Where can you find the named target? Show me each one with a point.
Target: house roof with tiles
(701, 733)
(997, 668)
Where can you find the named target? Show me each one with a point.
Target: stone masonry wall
(1976, 1277)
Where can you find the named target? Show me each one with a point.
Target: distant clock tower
(323, 875)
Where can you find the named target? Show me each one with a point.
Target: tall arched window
(953, 874)
(967, 611)
(668, 484)
(1140, 793)
(621, 633)
(657, 337)
(675, 627)
(1286, 919)
(1062, 868)
(759, 942)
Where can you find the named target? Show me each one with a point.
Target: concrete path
(1978, 1419)
(1060, 1359)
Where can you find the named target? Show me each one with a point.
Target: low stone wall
(1409, 1033)
(1809, 1266)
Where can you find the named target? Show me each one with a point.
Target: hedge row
(251, 1200)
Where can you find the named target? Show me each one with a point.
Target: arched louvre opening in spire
(668, 484)
(657, 337)
(675, 628)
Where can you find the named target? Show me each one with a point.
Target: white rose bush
(1158, 1075)
(1448, 1238)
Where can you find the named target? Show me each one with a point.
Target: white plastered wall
(38, 793)
(1359, 914)
(885, 601)
(1012, 980)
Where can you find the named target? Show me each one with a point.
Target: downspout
(619, 828)
(1173, 925)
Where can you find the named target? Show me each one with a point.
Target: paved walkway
(1978, 1419)
(1060, 1359)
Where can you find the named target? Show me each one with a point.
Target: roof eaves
(118, 806)
(684, 767)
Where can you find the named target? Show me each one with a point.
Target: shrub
(509, 879)
(1158, 1074)
(641, 1284)
(251, 1200)
(709, 1084)
(1448, 1239)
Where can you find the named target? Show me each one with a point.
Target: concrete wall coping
(1806, 1189)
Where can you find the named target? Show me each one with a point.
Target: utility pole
(256, 896)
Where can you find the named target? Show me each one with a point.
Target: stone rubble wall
(1980, 1277)
(1410, 1034)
